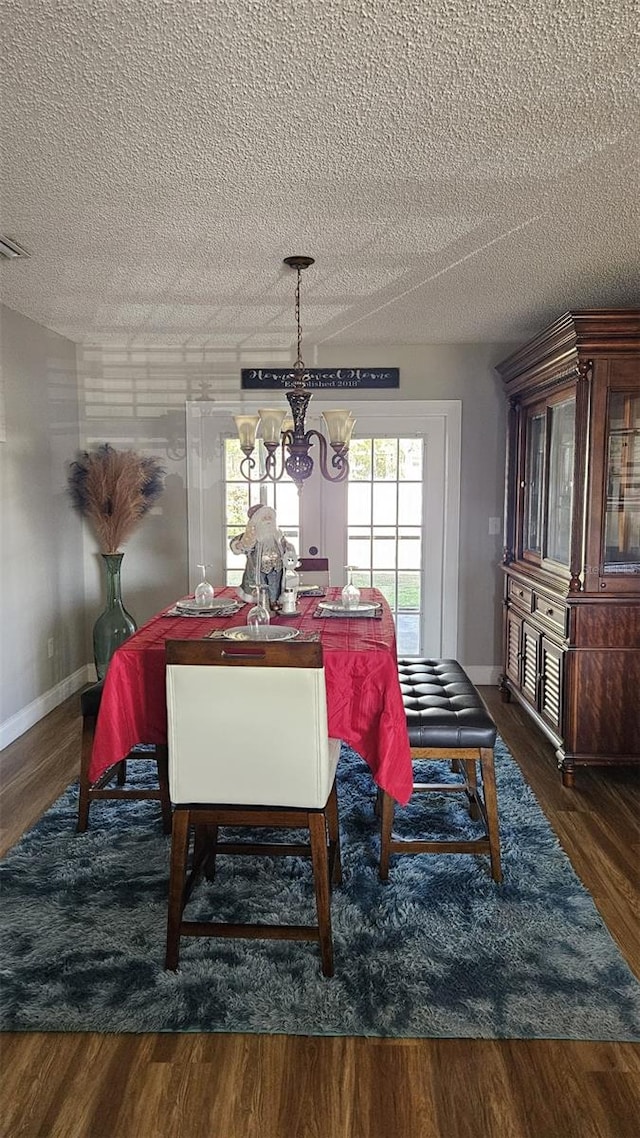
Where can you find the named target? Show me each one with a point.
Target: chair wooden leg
(320, 859)
(386, 829)
(491, 805)
(179, 851)
(162, 760)
(121, 769)
(88, 729)
(209, 866)
(333, 824)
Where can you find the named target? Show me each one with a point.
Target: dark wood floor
(234, 1086)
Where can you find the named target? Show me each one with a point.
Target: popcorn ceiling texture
(462, 170)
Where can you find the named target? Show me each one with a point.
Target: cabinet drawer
(551, 611)
(520, 595)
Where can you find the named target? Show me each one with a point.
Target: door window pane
(409, 503)
(409, 591)
(385, 503)
(409, 548)
(384, 549)
(359, 508)
(410, 460)
(385, 460)
(359, 549)
(360, 460)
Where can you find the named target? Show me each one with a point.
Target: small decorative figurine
(290, 582)
(265, 546)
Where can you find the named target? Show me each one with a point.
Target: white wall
(41, 559)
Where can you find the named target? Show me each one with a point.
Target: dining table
(364, 701)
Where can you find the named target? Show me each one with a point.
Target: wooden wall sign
(264, 379)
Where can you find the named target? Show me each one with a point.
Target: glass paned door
(384, 527)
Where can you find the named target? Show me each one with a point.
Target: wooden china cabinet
(572, 536)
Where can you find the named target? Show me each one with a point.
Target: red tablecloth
(363, 693)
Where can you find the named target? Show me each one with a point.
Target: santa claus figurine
(265, 546)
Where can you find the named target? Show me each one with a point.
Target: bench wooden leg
(483, 804)
(471, 785)
(491, 805)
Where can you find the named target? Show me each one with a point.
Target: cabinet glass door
(535, 446)
(622, 514)
(560, 493)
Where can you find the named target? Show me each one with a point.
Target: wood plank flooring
(236, 1086)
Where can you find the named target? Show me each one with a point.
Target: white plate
(216, 605)
(268, 632)
(362, 606)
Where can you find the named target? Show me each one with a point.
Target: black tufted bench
(89, 708)
(447, 719)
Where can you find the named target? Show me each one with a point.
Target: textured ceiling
(462, 170)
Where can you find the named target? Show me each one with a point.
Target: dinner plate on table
(217, 607)
(266, 632)
(361, 609)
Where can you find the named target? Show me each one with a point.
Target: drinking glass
(351, 592)
(203, 593)
(259, 616)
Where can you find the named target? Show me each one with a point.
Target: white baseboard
(16, 726)
(487, 676)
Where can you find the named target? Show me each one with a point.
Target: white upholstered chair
(249, 747)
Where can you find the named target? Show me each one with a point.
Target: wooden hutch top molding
(554, 354)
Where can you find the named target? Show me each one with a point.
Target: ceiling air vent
(11, 250)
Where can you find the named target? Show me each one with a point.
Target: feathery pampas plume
(114, 489)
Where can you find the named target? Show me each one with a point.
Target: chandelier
(286, 440)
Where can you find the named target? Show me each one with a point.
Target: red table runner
(364, 701)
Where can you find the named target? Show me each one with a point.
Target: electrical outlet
(494, 526)
(50, 647)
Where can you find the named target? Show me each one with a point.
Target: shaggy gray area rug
(438, 951)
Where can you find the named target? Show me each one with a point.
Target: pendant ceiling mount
(299, 262)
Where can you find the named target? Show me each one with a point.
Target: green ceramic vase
(115, 624)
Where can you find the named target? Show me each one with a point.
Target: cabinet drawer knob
(550, 612)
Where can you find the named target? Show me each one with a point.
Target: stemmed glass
(204, 592)
(351, 592)
(259, 616)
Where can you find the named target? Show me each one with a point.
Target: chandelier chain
(299, 364)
